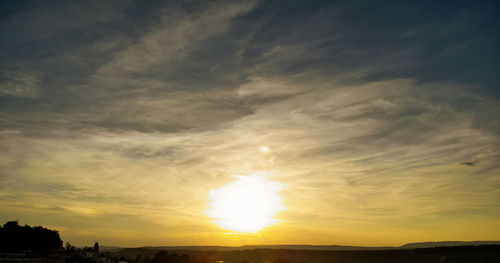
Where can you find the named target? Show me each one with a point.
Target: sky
(379, 120)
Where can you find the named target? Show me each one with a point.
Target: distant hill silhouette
(14, 237)
(297, 247)
(448, 244)
(319, 247)
(453, 254)
(109, 248)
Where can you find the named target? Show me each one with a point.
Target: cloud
(129, 87)
(470, 163)
(19, 84)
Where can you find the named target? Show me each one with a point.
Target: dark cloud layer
(52, 53)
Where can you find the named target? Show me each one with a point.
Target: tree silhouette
(163, 256)
(96, 248)
(15, 238)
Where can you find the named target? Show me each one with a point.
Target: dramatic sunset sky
(347, 122)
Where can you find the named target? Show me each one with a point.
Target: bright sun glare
(264, 149)
(246, 205)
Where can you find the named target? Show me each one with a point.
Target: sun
(264, 149)
(246, 205)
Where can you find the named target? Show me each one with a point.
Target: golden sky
(117, 126)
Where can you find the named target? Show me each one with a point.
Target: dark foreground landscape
(38, 244)
(482, 253)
